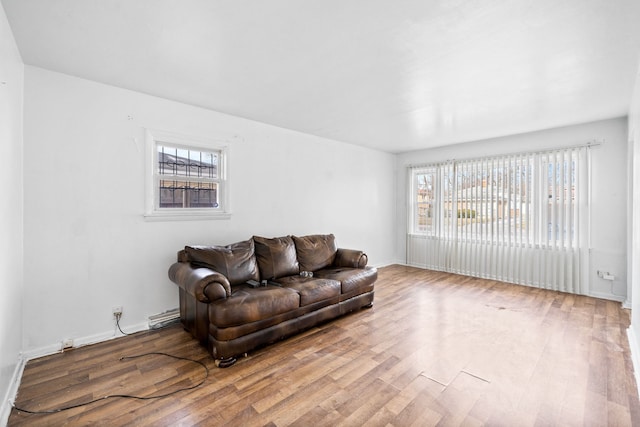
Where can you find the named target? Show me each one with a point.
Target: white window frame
(153, 212)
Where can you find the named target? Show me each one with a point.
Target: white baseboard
(24, 357)
(82, 341)
(608, 296)
(384, 263)
(634, 346)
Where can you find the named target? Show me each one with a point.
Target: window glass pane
(187, 162)
(424, 202)
(469, 196)
(561, 197)
(448, 190)
(187, 194)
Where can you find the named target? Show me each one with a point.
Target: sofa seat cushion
(312, 289)
(247, 304)
(352, 279)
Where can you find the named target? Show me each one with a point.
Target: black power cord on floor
(127, 396)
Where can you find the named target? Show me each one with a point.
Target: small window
(187, 178)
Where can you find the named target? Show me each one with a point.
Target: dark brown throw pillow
(316, 251)
(236, 261)
(276, 257)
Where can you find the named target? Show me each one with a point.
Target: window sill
(186, 216)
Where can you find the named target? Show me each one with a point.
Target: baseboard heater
(167, 318)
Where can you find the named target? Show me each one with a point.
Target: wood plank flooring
(435, 349)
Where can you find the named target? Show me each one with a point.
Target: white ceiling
(394, 75)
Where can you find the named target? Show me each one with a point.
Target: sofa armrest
(202, 283)
(350, 258)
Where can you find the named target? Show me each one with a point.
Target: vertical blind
(517, 218)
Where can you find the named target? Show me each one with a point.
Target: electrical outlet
(606, 275)
(67, 343)
(117, 311)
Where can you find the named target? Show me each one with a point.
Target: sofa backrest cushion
(236, 261)
(276, 257)
(316, 251)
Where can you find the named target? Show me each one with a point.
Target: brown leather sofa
(238, 297)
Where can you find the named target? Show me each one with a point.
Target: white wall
(87, 246)
(634, 212)
(609, 191)
(11, 278)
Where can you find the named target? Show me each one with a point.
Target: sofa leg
(368, 305)
(225, 363)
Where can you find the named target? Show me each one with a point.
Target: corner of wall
(11, 216)
(633, 245)
(12, 390)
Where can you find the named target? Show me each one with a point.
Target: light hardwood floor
(435, 349)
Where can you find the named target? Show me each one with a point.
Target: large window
(517, 218)
(520, 199)
(187, 178)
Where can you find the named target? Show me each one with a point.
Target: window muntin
(187, 194)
